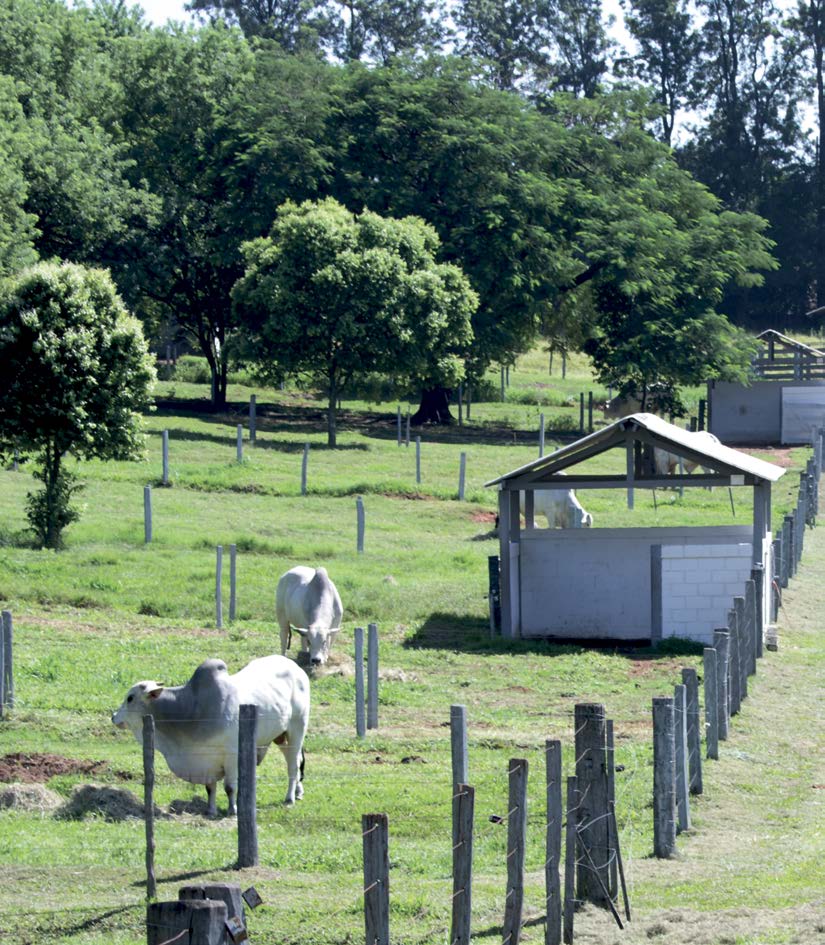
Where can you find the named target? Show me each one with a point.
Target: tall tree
(383, 30)
(809, 27)
(17, 230)
(583, 46)
(76, 376)
(668, 49)
(296, 26)
(511, 37)
(175, 92)
(339, 295)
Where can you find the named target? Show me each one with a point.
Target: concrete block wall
(699, 583)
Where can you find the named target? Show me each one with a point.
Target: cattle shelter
(630, 584)
(783, 403)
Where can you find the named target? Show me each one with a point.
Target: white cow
(308, 602)
(560, 507)
(196, 725)
(667, 463)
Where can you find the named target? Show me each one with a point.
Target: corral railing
(787, 366)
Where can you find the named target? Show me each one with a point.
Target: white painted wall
(699, 583)
(587, 583)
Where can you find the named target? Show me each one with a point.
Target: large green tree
(76, 376)
(338, 295)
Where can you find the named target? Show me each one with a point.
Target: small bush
(191, 369)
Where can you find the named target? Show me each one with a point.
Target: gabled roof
(646, 428)
(777, 337)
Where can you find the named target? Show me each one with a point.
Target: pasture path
(753, 865)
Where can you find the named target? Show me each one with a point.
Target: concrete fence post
(681, 758)
(7, 660)
(361, 524)
(253, 419)
(360, 707)
(372, 675)
(218, 587)
(418, 459)
(165, 457)
(711, 703)
(721, 643)
(458, 744)
(147, 514)
(233, 582)
(462, 475)
(694, 734)
(239, 443)
(304, 469)
(541, 435)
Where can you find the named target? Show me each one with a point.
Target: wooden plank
(462, 908)
(247, 786)
(591, 777)
(664, 764)
(375, 831)
(681, 758)
(516, 850)
(570, 860)
(552, 859)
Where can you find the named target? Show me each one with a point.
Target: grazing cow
(667, 463)
(196, 725)
(561, 508)
(308, 602)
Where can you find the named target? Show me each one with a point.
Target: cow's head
(317, 641)
(137, 704)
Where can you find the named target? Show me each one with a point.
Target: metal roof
(779, 338)
(659, 433)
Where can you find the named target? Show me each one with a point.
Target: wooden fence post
(463, 808)
(360, 715)
(203, 920)
(612, 840)
(590, 411)
(721, 643)
(758, 577)
(592, 827)
(165, 457)
(751, 607)
(218, 583)
(787, 552)
(681, 759)
(239, 443)
(247, 786)
(304, 469)
(375, 831)
(552, 859)
(516, 831)
(570, 859)
(149, 802)
(147, 514)
(581, 412)
(711, 703)
(233, 582)
(775, 579)
(664, 799)
(8, 658)
(361, 524)
(462, 475)
(694, 735)
(372, 675)
(227, 893)
(744, 633)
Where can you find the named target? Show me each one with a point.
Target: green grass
(110, 610)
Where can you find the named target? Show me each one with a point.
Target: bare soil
(36, 768)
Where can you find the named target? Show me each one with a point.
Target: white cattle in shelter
(667, 463)
(196, 725)
(308, 602)
(560, 507)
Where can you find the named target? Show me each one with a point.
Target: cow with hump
(308, 602)
(196, 725)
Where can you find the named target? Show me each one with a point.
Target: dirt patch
(37, 768)
(777, 457)
(486, 517)
(103, 801)
(29, 797)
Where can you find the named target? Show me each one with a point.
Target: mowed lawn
(110, 610)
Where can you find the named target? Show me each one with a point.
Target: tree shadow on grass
(457, 632)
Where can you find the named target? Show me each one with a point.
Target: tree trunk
(434, 407)
(219, 377)
(51, 481)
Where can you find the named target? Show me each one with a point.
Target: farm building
(630, 584)
(785, 401)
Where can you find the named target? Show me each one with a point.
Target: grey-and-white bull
(307, 601)
(196, 725)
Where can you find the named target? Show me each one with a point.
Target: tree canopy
(76, 377)
(339, 295)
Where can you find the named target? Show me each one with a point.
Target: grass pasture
(109, 610)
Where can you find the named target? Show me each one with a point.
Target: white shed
(630, 584)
